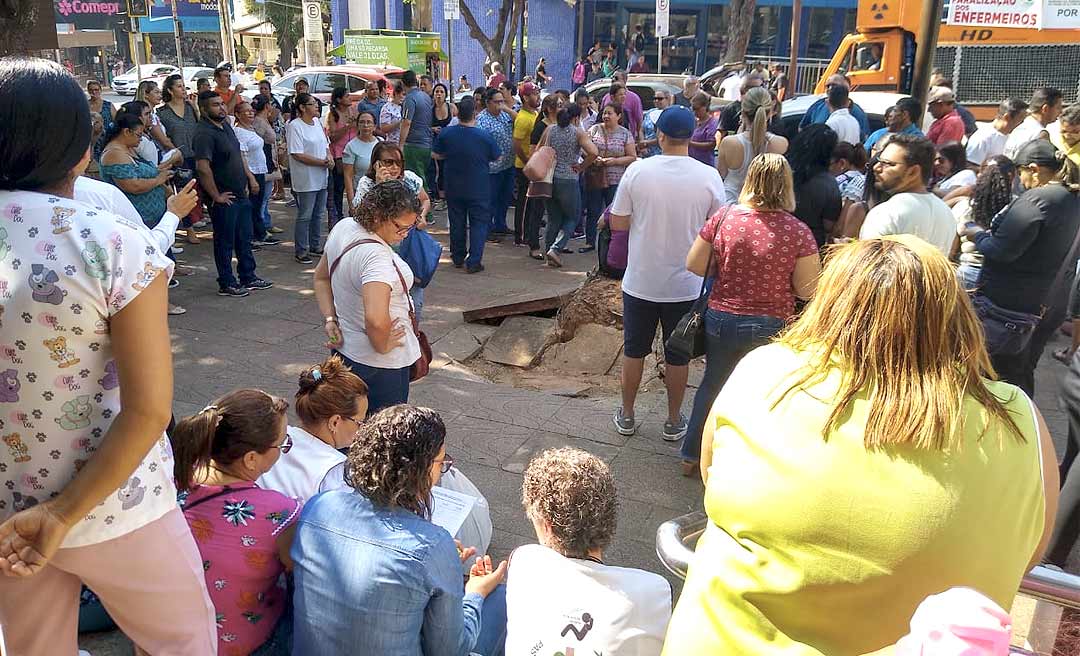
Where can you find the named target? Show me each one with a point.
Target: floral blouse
(236, 527)
(611, 145)
(65, 270)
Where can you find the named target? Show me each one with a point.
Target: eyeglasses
(356, 422)
(886, 163)
(446, 463)
(402, 229)
(659, 98)
(391, 162)
(284, 447)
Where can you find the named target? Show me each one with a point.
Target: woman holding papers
(371, 549)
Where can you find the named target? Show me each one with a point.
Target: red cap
(526, 88)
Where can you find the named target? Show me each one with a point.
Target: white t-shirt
(72, 268)
(363, 264)
(251, 145)
(844, 125)
(984, 144)
(307, 140)
(958, 179)
(668, 199)
(105, 196)
(311, 466)
(556, 604)
(924, 215)
(1027, 131)
(731, 87)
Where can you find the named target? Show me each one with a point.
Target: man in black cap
(657, 288)
(1030, 253)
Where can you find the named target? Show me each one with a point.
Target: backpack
(579, 73)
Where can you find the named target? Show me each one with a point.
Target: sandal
(1063, 355)
(691, 469)
(176, 310)
(193, 238)
(536, 255)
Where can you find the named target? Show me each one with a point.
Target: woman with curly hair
(242, 530)
(373, 575)
(993, 193)
(362, 287)
(560, 593)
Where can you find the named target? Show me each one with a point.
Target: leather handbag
(1007, 332)
(420, 368)
(688, 338)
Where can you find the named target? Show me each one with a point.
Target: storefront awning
(85, 38)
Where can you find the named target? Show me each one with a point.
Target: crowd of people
(872, 308)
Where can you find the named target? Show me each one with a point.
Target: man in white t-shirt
(989, 140)
(903, 171)
(731, 87)
(1045, 107)
(561, 597)
(840, 120)
(663, 201)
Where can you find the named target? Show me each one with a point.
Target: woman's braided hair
(384, 202)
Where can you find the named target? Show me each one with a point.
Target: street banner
(663, 10)
(996, 13)
(312, 21)
(1061, 14)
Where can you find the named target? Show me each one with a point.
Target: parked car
(644, 88)
(324, 79)
(128, 83)
(192, 74)
(874, 103)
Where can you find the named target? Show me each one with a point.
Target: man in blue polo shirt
(902, 118)
(820, 111)
(469, 150)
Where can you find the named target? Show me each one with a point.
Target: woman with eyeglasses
(650, 143)
(371, 567)
(362, 287)
(331, 403)
(243, 531)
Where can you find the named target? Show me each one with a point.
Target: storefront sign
(663, 10)
(996, 13)
(88, 15)
(195, 15)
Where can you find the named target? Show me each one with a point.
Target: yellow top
(1072, 153)
(523, 127)
(823, 547)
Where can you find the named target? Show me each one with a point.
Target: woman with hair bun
(331, 404)
(243, 531)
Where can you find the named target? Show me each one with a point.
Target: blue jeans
(232, 233)
(386, 387)
(728, 337)
(473, 216)
(492, 638)
(258, 230)
(562, 208)
(267, 224)
(502, 192)
(598, 200)
(310, 210)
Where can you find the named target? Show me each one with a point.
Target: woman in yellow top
(860, 464)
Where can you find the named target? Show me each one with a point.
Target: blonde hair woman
(753, 139)
(763, 259)
(861, 463)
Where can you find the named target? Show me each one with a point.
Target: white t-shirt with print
(65, 269)
(924, 215)
(364, 264)
(668, 199)
(556, 604)
(984, 144)
(311, 466)
(307, 140)
(109, 198)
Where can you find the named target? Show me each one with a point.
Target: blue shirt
(420, 109)
(502, 128)
(819, 112)
(468, 150)
(377, 581)
(371, 108)
(878, 134)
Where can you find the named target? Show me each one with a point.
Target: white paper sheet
(450, 508)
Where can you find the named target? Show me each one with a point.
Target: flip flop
(176, 310)
(537, 256)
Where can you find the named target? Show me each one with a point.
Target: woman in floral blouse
(243, 532)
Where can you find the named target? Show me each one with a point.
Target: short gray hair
(574, 492)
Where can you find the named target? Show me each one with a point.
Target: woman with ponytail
(753, 139)
(243, 531)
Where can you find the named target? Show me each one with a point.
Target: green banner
(376, 50)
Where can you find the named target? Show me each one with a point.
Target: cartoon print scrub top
(65, 269)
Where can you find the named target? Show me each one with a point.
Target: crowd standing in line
(925, 395)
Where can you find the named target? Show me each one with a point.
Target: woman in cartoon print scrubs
(87, 493)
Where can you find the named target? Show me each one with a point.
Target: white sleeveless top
(733, 181)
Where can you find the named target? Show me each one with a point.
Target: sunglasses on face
(391, 162)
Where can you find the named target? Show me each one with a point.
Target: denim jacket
(375, 580)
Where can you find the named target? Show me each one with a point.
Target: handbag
(420, 368)
(540, 169)
(688, 338)
(596, 175)
(421, 252)
(1007, 332)
(611, 249)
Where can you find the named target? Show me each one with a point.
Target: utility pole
(925, 45)
(793, 70)
(133, 44)
(177, 33)
(228, 51)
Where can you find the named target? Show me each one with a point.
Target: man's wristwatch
(329, 320)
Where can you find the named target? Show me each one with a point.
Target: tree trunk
(496, 47)
(286, 46)
(740, 23)
(17, 19)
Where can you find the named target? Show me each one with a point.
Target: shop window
(765, 31)
(819, 36)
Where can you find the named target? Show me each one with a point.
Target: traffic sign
(313, 29)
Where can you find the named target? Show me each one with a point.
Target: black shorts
(639, 326)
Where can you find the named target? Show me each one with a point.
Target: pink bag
(541, 164)
(957, 622)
